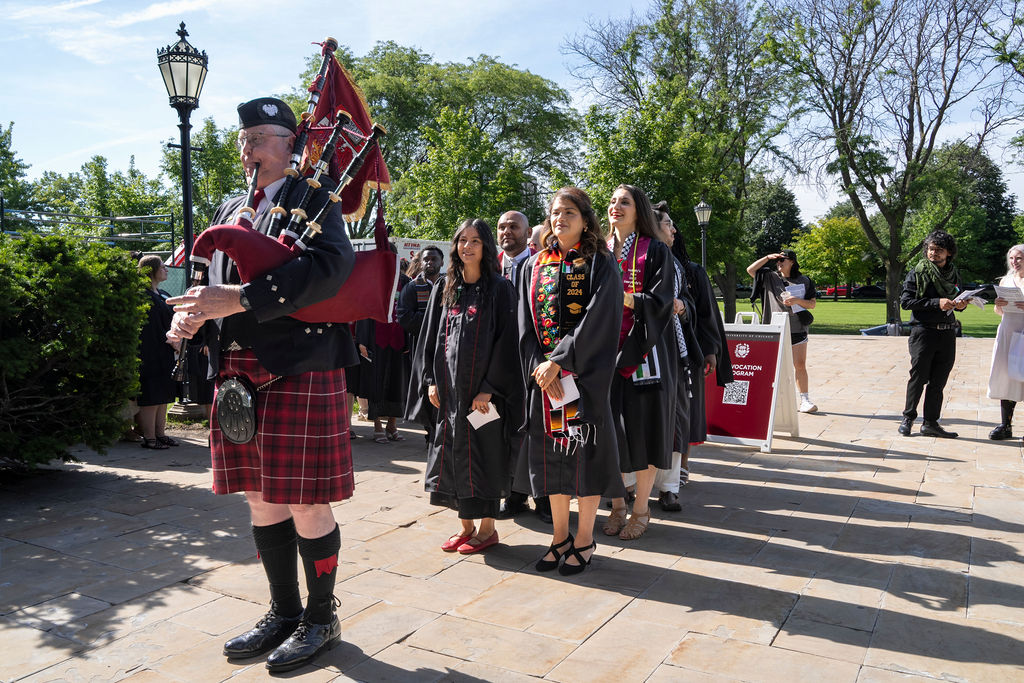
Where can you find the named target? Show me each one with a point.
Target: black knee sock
(1006, 408)
(320, 562)
(277, 548)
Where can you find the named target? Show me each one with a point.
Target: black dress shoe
(268, 633)
(905, 426)
(669, 502)
(304, 645)
(1001, 432)
(931, 428)
(512, 506)
(542, 506)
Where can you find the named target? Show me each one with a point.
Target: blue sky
(79, 77)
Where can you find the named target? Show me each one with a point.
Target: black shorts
(798, 337)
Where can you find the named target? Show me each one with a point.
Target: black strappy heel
(550, 565)
(571, 569)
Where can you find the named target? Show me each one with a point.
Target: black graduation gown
(156, 385)
(645, 414)
(467, 349)
(592, 468)
(385, 377)
(710, 332)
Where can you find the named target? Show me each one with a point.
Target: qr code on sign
(736, 393)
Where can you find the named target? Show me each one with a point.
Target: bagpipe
(333, 141)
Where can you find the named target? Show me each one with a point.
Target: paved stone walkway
(848, 554)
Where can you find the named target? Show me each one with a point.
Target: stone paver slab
(545, 605)
(738, 659)
(492, 645)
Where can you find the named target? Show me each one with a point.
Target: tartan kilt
(301, 453)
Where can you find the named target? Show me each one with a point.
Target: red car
(840, 290)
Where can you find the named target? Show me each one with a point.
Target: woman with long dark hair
(644, 386)
(463, 364)
(570, 311)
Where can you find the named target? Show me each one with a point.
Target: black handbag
(805, 317)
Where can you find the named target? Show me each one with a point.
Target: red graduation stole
(632, 267)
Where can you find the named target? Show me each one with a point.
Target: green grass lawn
(849, 316)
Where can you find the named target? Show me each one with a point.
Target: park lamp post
(184, 70)
(703, 211)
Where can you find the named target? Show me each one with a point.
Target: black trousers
(932, 354)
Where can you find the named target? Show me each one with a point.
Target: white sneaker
(807, 407)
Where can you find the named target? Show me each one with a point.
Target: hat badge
(270, 109)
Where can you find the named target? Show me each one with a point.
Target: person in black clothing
(411, 309)
(513, 235)
(928, 293)
(157, 359)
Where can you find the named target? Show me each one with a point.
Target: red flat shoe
(469, 548)
(453, 543)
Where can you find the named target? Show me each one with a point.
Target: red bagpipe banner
(339, 91)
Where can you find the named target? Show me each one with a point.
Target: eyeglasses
(257, 139)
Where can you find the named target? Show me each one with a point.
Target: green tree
(526, 118)
(16, 190)
(967, 196)
(463, 176)
(834, 251)
(216, 171)
(58, 193)
(772, 217)
(882, 80)
(701, 71)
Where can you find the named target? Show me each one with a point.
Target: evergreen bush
(70, 315)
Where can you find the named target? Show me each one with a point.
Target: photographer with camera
(784, 289)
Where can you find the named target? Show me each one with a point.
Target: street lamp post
(184, 70)
(703, 211)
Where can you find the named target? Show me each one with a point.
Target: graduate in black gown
(465, 363)
(644, 385)
(570, 312)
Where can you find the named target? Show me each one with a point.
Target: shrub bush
(70, 315)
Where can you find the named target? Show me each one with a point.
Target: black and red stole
(560, 289)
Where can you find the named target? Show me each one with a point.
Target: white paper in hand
(477, 419)
(570, 392)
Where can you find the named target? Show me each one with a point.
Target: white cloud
(48, 13)
(159, 11)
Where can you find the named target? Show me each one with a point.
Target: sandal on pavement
(570, 569)
(636, 526)
(395, 436)
(155, 444)
(684, 476)
(453, 543)
(548, 565)
(615, 522)
(167, 440)
(380, 437)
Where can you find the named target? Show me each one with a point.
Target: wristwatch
(244, 300)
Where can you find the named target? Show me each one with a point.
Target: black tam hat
(266, 110)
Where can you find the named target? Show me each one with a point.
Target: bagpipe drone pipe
(368, 292)
(326, 142)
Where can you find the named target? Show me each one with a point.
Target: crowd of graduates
(566, 361)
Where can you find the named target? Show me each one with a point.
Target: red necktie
(257, 198)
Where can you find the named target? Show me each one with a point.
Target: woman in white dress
(1000, 386)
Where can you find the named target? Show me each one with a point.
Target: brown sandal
(616, 521)
(636, 526)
